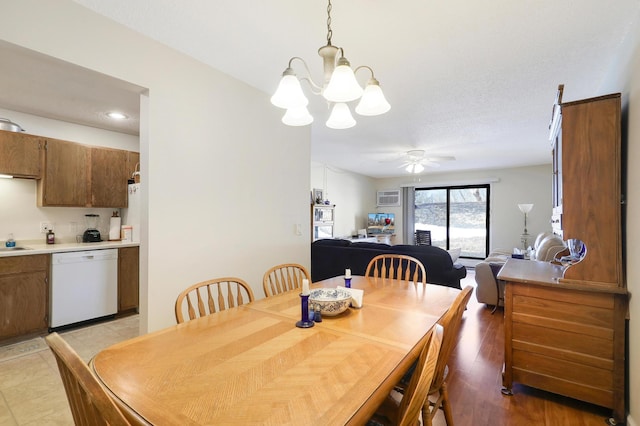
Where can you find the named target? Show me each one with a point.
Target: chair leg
(446, 407)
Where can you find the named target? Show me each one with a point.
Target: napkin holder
(357, 296)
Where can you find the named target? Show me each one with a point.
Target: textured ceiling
(474, 80)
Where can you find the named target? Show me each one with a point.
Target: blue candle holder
(304, 322)
(347, 282)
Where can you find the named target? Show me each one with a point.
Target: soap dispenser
(51, 237)
(10, 241)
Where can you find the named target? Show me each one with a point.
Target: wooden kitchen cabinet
(24, 295)
(77, 175)
(65, 175)
(108, 184)
(128, 279)
(20, 154)
(133, 163)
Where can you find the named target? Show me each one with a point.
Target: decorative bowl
(332, 301)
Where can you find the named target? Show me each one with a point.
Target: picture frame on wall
(317, 196)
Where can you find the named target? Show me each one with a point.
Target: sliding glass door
(457, 216)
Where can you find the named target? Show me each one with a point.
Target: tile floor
(31, 392)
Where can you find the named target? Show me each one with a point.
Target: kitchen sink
(2, 249)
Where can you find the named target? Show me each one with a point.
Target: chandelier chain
(329, 31)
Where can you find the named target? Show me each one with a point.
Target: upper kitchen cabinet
(65, 175)
(77, 175)
(133, 164)
(109, 175)
(20, 154)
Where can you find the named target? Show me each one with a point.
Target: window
(457, 216)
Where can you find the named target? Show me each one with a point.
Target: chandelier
(339, 87)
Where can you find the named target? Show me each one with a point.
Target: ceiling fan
(416, 160)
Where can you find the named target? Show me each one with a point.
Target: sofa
(330, 258)
(546, 247)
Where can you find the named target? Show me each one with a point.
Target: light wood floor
(476, 376)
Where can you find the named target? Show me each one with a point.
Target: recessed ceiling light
(117, 115)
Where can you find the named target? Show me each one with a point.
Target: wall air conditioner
(388, 198)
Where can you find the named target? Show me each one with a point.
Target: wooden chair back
(423, 237)
(416, 393)
(211, 296)
(90, 404)
(397, 266)
(284, 277)
(450, 321)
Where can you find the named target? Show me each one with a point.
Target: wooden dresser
(565, 327)
(564, 337)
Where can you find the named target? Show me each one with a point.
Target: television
(381, 223)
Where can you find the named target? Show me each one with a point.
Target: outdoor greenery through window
(458, 217)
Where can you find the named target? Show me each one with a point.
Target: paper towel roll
(114, 229)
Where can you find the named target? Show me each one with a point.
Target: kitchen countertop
(40, 247)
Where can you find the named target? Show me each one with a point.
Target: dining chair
(397, 266)
(422, 237)
(284, 277)
(407, 410)
(450, 321)
(211, 296)
(90, 404)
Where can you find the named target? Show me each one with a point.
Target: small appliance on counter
(91, 235)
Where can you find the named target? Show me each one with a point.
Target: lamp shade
(340, 117)
(297, 117)
(525, 208)
(343, 86)
(372, 101)
(289, 93)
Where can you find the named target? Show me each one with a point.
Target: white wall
(509, 187)
(625, 78)
(19, 212)
(208, 144)
(354, 196)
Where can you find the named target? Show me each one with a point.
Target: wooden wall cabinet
(65, 175)
(128, 279)
(76, 175)
(109, 175)
(20, 154)
(24, 295)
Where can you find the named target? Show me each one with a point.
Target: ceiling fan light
(343, 86)
(415, 168)
(297, 117)
(289, 93)
(340, 117)
(372, 101)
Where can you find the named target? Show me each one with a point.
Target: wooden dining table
(252, 365)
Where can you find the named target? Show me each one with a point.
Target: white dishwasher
(84, 286)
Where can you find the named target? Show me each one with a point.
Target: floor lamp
(524, 238)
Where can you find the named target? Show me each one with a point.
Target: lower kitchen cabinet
(128, 279)
(24, 295)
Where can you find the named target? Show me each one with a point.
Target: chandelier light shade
(339, 87)
(297, 117)
(289, 93)
(373, 101)
(340, 117)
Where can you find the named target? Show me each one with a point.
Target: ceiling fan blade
(431, 164)
(441, 158)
